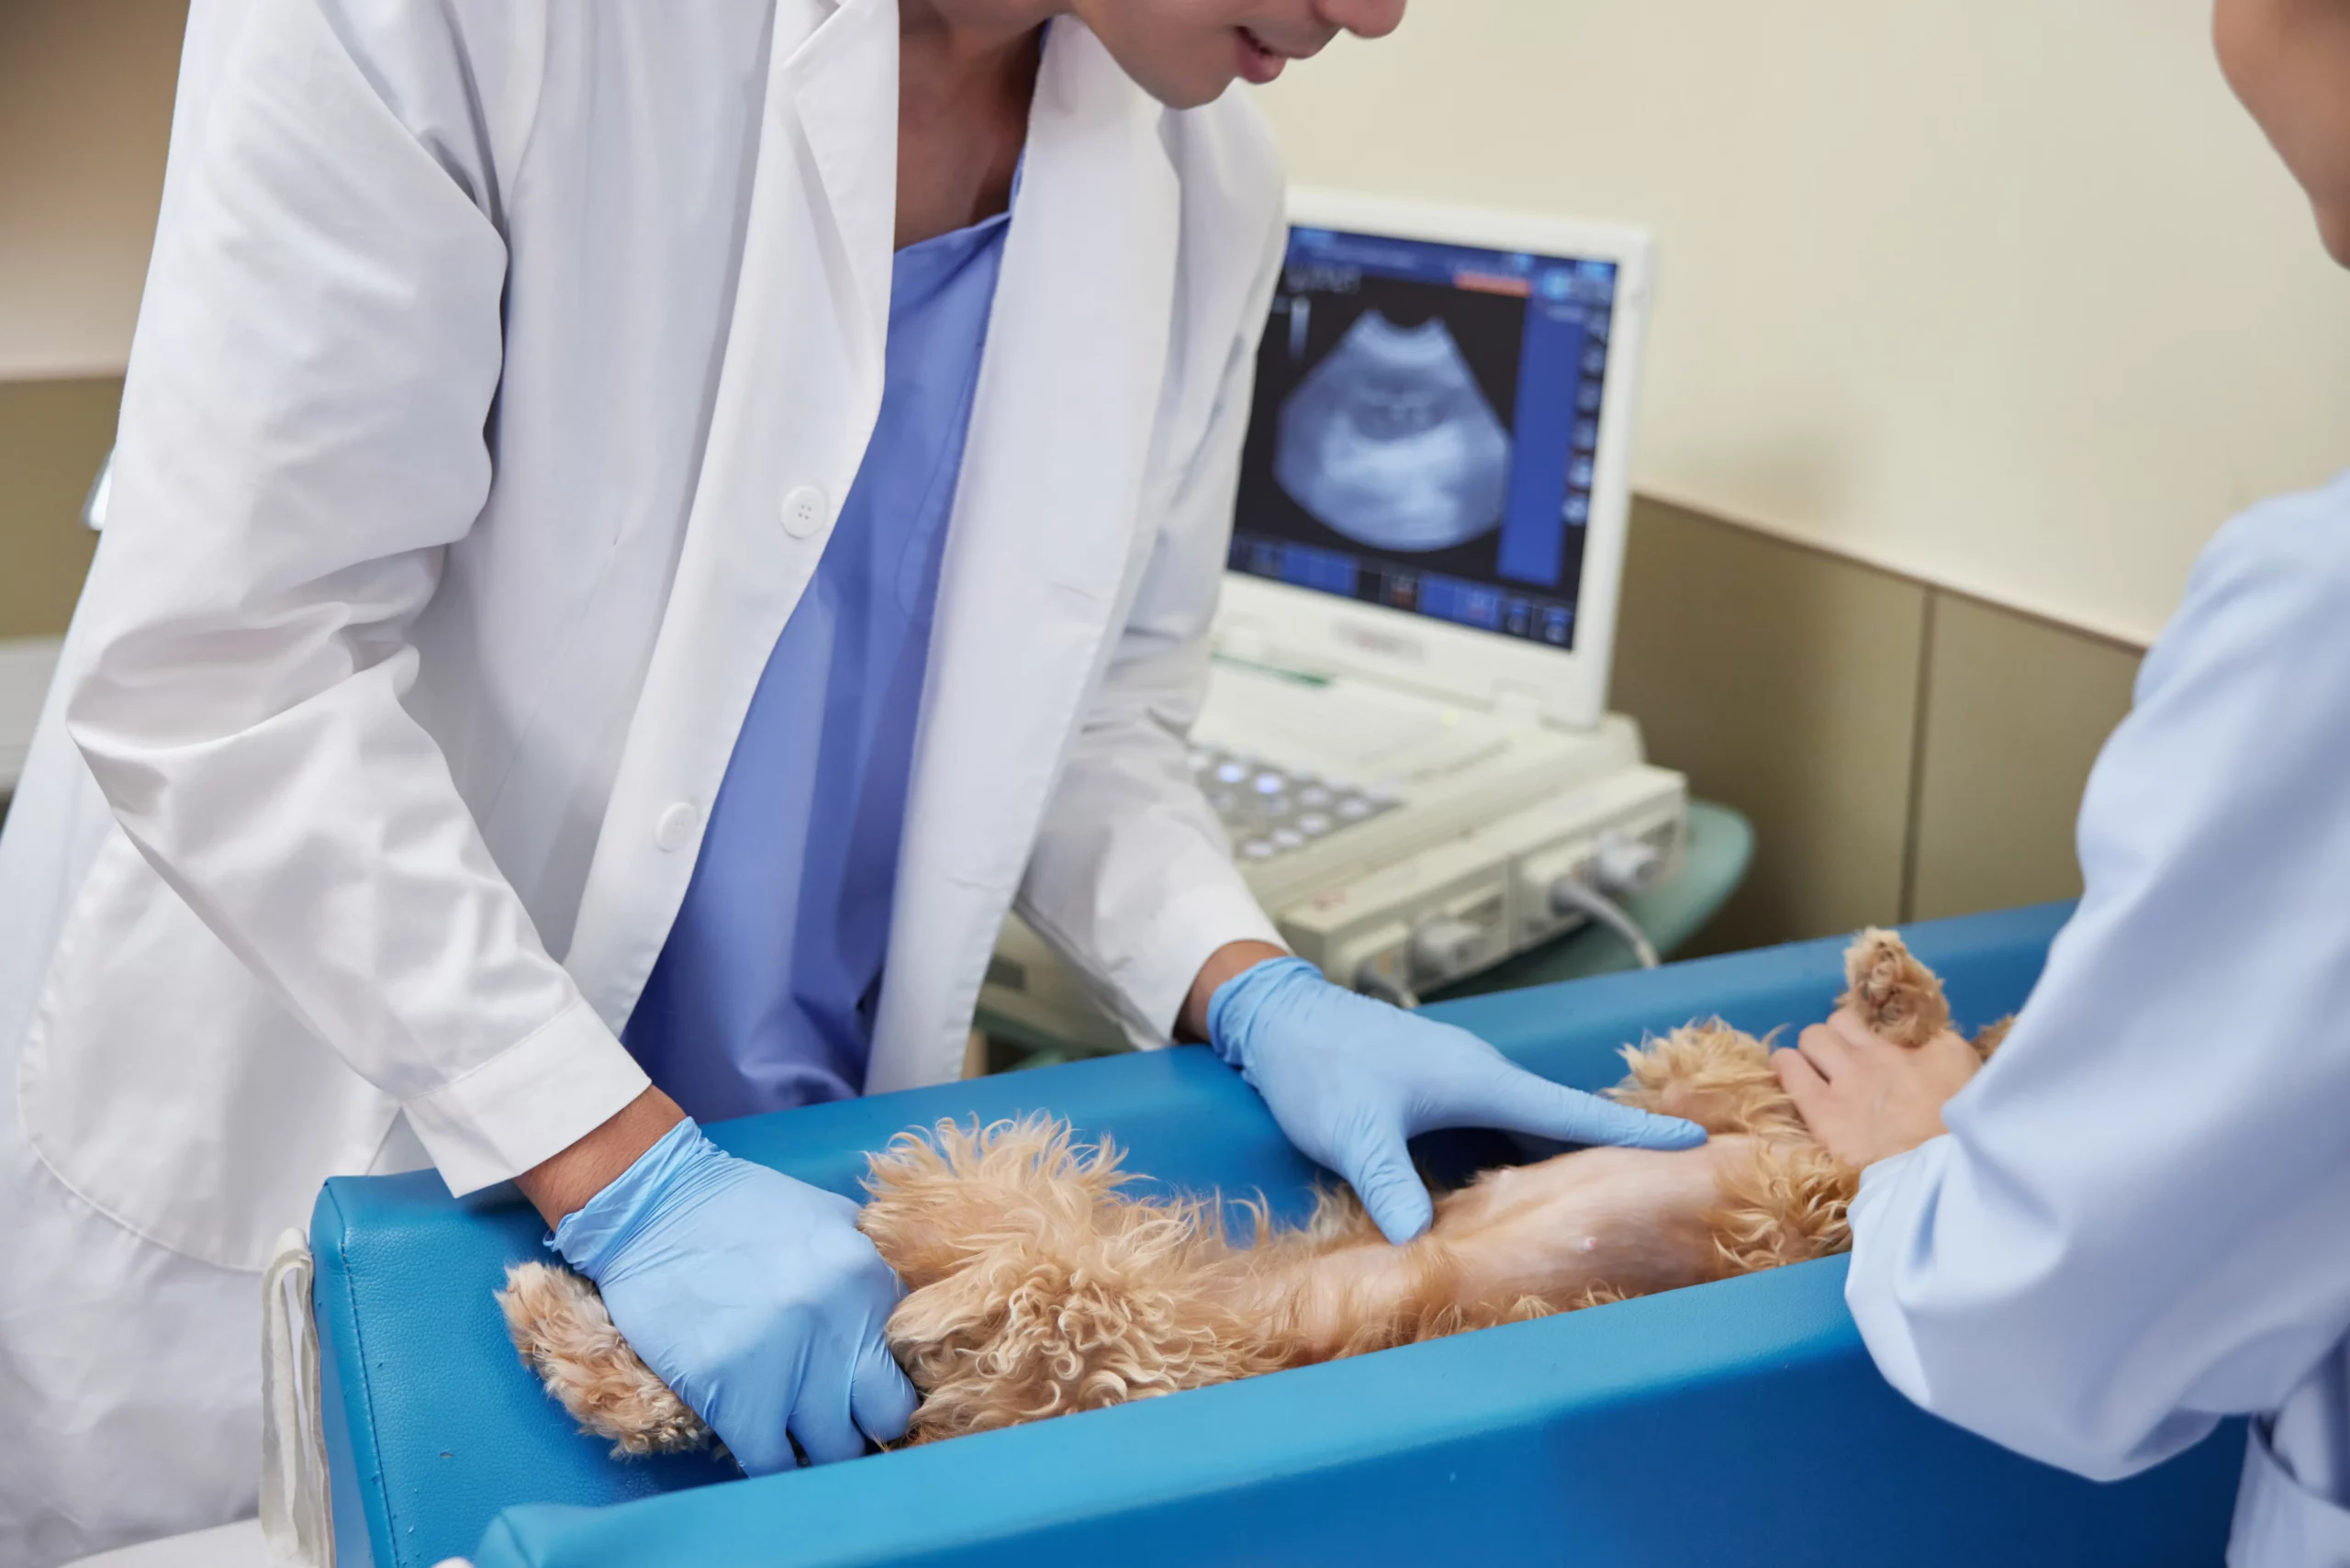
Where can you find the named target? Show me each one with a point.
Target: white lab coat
(2137, 1224)
(502, 365)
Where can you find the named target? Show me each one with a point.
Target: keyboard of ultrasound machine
(1270, 809)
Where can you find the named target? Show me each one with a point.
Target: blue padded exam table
(1733, 1423)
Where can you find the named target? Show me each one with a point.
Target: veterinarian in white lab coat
(2136, 1223)
(632, 502)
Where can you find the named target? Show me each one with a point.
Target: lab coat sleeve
(1132, 877)
(2133, 1225)
(303, 433)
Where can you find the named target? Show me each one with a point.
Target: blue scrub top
(763, 998)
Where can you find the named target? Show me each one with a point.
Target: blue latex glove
(754, 1296)
(1350, 1079)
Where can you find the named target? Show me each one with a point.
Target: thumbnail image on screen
(1424, 430)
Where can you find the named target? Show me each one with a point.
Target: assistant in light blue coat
(2140, 1221)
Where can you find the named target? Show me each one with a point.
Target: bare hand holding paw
(1866, 1098)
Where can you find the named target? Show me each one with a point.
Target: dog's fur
(1035, 1286)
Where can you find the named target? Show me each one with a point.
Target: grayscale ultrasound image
(1390, 442)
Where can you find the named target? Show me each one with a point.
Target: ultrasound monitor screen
(1425, 426)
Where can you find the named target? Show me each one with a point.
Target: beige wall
(1904, 752)
(85, 107)
(53, 434)
(86, 104)
(2006, 295)
(1783, 682)
(2012, 715)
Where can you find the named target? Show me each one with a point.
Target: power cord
(1376, 983)
(1569, 895)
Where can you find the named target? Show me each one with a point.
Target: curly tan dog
(1036, 1287)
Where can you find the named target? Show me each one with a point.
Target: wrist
(562, 1184)
(669, 1177)
(1272, 987)
(1227, 963)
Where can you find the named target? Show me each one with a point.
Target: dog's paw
(1897, 996)
(559, 1324)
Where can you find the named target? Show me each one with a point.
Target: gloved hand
(754, 1296)
(1350, 1079)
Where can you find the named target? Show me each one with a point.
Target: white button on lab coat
(483, 344)
(804, 511)
(677, 827)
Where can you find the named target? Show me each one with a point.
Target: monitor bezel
(1318, 630)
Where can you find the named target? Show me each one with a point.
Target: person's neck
(978, 36)
(965, 78)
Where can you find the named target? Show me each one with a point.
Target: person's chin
(2333, 227)
(1188, 90)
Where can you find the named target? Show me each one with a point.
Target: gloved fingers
(1380, 1170)
(1511, 1099)
(821, 1417)
(880, 1399)
(761, 1449)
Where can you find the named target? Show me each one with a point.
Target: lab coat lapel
(798, 386)
(1042, 550)
(844, 80)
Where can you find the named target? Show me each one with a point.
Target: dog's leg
(1786, 1201)
(559, 1324)
(1594, 1226)
(1710, 1074)
(1337, 1288)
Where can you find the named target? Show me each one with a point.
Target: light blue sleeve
(2137, 1222)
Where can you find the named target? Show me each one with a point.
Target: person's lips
(1259, 61)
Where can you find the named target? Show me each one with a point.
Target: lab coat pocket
(164, 1086)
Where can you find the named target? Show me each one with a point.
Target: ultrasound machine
(1406, 734)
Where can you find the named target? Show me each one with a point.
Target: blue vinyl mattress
(1737, 1422)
